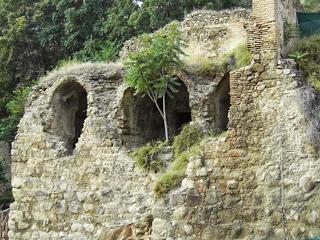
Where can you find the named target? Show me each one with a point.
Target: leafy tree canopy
(152, 69)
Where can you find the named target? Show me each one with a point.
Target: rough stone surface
(245, 185)
(208, 33)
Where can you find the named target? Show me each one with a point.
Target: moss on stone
(174, 176)
(241, 56)
(146, 159)
(189, 136)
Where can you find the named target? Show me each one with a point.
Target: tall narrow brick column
(264, 39)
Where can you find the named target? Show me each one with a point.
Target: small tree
(152, 69)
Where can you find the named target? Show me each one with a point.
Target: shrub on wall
(146, 157)
(306, 53)
(189, 136)
(173, 177)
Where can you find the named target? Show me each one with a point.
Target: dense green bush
(15, 107)
(306, 53)
(6, 198)
(189, 136)
(146, 157)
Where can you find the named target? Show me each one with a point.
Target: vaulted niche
(141, 122)
(70, 111)
(219, 105)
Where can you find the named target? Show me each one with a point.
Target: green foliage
(35, 35)
(118, 26)
(15, 107)
(7, 198)
(145, 157)
(2, 170)
(241, 55)
(311, 5)
(8, 127)
(201, 65)
(306, 52)
(189, 136)
(173, 177)
(97, 51)
(152, 69)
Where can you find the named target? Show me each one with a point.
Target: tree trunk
(165, 117)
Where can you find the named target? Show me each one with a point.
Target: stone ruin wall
(238, 188)
(94, 191)
(207, 30)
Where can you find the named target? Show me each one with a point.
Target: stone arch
(219, 105)
(69, 107)
(140, 121)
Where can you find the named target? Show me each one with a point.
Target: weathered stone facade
(260, 181)
(213, 33)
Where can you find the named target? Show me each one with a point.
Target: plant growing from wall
(185, 145)
(152, 69)
(299, 57)
(190, 135)
(173, 177)
(306, 53)
(146, 157)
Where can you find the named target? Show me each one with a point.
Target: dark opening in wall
(70, 112)
(140, 121)
(219, 105)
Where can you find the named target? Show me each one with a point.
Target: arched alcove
(70, 111)
(140, 121)
(219, 105)
(178, 110)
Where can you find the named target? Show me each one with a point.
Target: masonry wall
(257, 181)
(77, 196)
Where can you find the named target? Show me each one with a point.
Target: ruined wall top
(267, 33)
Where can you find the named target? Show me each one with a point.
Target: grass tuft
(199, 64)
(146, 159)
(190, 135)
(173, 177)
